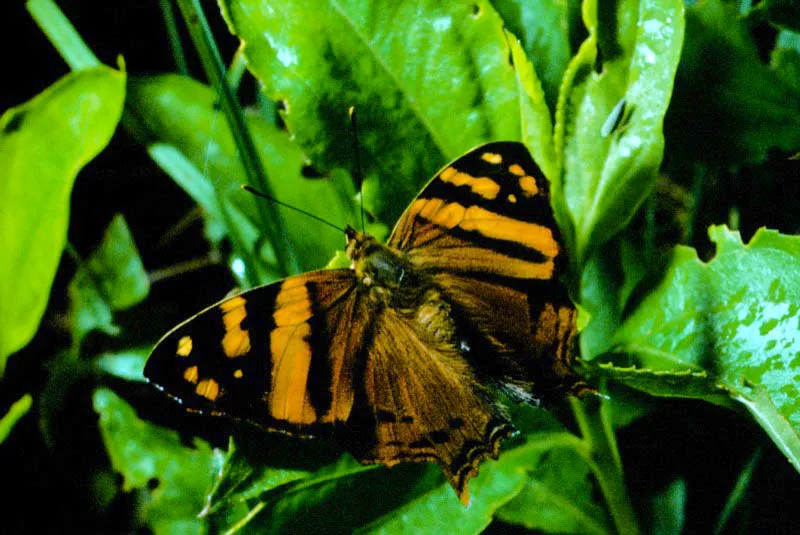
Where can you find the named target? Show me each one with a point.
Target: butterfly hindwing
(280, 356)
(410, 389)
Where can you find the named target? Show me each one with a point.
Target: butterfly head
(375, 264)
(359, 244)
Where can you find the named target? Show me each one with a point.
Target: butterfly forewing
(280, 355)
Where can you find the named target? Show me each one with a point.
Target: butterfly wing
(484, 231)
(420, 401)
(281, 356)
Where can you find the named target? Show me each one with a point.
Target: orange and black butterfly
(399, 357)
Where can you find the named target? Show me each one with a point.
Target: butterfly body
(398, 356)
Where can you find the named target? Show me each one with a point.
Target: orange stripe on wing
(488, 224)
(500, 227)
(291, 355)
(483, 186)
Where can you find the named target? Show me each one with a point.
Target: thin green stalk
(60, 31)
(594, 423)
(210, 57)
(236, 70)
(174, 37)
(738, 493)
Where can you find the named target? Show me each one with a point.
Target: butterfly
(400, 357)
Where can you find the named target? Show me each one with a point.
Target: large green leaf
(736, 317)
(43, 145)
(429, 80)
(607, 178)
(177, 118)
(730, 108)
(154, 460)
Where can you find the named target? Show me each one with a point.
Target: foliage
(705, 103)
(43, 145)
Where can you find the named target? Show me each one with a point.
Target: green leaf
(607, 178)
(785, 59)
(557, 497)
(176, 118)
(113, 278)
(600, 284)
(667, 509)
(543, 28)
(153, 460)
(17, 410)
(736, 318)
(689, 382)
(730, 108)
(128, 364)
(428, 80)
(607, 283)
(239, 481)
(43, 145)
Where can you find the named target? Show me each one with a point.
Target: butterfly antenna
(359, 171)
(276, 201)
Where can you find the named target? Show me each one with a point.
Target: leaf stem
(173, 35)
(210, 57)
(62, 34)
(594, 422)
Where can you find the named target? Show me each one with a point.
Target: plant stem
(175, 45)
(206, 47)
(236, 70)
(594, 422)
(62, 34)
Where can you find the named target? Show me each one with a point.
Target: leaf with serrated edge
(435, 74)
(736, 317)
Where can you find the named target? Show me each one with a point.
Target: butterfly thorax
(391, 280)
